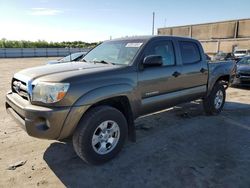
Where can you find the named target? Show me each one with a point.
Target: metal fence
(38, 52)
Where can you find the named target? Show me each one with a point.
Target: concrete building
(218, 36)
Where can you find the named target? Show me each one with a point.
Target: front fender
(92, 97)
(105, 92)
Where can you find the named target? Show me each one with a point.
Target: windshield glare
(115, 52)
(245, 61)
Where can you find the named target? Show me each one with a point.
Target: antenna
(153, 25)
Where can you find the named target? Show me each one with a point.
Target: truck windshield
(114, 52)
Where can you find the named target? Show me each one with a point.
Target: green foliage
(4, 43)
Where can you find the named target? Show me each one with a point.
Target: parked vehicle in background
(97, 100)
(237, 59)
(241, 52)
(242, 76)
(72, 57)
(221, 56)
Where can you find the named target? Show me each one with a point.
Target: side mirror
(152, 60)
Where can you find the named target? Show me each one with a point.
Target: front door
(157, 83)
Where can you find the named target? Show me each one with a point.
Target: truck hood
(62, 71)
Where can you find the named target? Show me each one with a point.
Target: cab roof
(149, 37)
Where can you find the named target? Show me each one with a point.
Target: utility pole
(153, 25)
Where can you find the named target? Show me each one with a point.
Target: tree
(4, 43)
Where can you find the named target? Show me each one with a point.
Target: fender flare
(217, 73)
(105, 92)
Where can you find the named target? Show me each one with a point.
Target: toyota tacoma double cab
(96, 100)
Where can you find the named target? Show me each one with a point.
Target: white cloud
(44, 12)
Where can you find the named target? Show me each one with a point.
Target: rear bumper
(37, 121)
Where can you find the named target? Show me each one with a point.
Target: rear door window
(190, 52)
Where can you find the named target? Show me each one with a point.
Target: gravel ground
(179, 147)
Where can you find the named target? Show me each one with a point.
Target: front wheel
(214, 103)
(100, 134)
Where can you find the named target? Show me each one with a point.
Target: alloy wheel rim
(218, 101)
(105, 137)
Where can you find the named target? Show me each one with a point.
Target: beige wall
(223, 30)
(181, 31)
(210, 47)
(164, 31)
(219, 36)
(244, 28)
(226, 46)
(201, 32)
(220, 30)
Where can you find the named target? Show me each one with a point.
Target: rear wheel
(100, 134)
(214, 103)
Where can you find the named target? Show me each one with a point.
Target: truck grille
(20, 88)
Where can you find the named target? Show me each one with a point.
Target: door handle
(203, 70)
(176, 74)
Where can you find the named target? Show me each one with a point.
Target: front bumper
(37, 121)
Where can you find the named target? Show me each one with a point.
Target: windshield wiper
(104, 62)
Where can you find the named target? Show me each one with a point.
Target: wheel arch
(122, 104)
(119, 97)
(224, 79)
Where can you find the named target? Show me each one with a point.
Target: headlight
(49, 92)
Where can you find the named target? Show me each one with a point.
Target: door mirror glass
(152, 60)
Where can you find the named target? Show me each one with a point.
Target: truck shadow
(184, 148)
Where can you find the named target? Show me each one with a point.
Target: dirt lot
(180, 147)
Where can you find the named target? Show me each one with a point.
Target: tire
(96, 144)
(214, 103)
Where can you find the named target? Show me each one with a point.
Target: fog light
(42, 124)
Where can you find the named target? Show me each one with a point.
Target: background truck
(97, 99)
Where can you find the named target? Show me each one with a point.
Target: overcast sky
(97, 20)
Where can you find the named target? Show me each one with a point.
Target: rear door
(194, 67)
